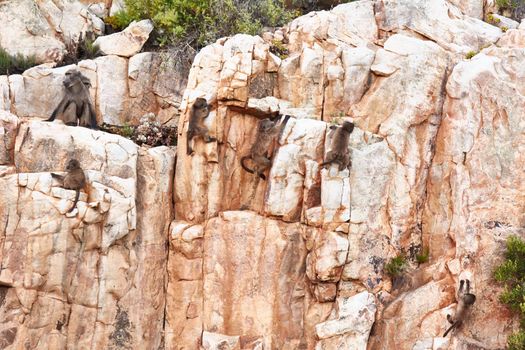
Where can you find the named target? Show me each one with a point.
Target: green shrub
(278, 48)
(15, 64)
(396, 266)
(511, 273)
(470, 54)
(423, 256)
(507, 4)
(200, 22)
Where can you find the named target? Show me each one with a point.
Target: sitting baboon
(196, 128)
(466, 300)
(267, 130)
(338, 152)
(77, 97)
(73, 180)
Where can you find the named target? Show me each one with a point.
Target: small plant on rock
(492, 19)
(511, 273)
(396, 266)
(470, 54)
(278, 49)
(423, 256)
(15, 64)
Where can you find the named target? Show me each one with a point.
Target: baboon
(466, 299)
(267, 130)
(73, 180)
(199, 111)
(77, 95)
(338, 152)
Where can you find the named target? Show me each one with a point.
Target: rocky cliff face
(170, 251)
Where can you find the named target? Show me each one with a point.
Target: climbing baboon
(75, 108)
(466, 299)
(196, 128)
(267, 130)
(338, 152)
(73, 180)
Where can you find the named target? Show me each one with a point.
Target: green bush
(511, 273)
(200, 22)
(423, 256)
(396, 266)
(508, 4)
(470, 54)
(15, 64)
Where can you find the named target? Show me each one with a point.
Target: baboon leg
(345, 162)
(461, 286)
(189, 137)
(92, 116)
(329, 159)
(468, 287)
(59, 110)
(70, 114)
(262, 163)
(87, 117)
(58, 177)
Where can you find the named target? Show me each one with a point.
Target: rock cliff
(170, 251)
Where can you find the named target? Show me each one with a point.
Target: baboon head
(348, 126)
(200, 102)
(266, 125)
(73, 76)
(72, 164)
(469, 298)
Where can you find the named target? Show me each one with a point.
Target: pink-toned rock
(437, 20)
(127, 42)
(351, 327)
(8, 129)
(42, 29)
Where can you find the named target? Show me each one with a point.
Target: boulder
(128, 42)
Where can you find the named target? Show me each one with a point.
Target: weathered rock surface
(84, 274)
(127, 42)
(42, 28)
(195, 252)
(122, 90)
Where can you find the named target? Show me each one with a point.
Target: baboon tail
(189, 151)
(53, 116)
(243, 159)
(449, 329)
(92, 117)
(75, 202)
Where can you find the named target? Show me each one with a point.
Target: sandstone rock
(475, 136)
(324, 263)
(122, 91)
(8, 129)
(503, 22)
(471, 8)
(266, 287)
(215, 341)
(296, 261)
(351, 328)
(128, 42)
(439, 21)
(5, 101)
(112, 96)
(42, 28)
(38, 91)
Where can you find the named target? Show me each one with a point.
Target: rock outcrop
(172, 251)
